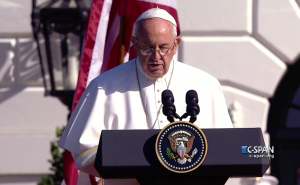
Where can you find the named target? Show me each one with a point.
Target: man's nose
(155, 55)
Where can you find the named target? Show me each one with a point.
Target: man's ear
(178, 40)
(133, 41)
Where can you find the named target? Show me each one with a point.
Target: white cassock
(125, 98)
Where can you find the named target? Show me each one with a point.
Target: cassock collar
(166, 77)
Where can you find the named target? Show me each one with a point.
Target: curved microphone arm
(185, 115)
(176, 115)
(193, 119)
(170, 119)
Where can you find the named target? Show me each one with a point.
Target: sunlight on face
(156, 34)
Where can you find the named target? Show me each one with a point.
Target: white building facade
(246, 44)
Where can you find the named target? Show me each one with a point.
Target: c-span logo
(181, 147)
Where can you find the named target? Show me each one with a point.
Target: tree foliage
(56, 162)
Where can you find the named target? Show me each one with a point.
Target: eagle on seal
(182, 146)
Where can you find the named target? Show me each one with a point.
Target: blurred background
(251, 46)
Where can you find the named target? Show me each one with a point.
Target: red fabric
(114, 54)
(89, 43)
(113, 12)
(70, 172)
(69, 169)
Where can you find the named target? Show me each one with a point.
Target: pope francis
(129, 96)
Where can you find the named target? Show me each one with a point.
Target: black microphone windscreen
(191, 94)
(166, 93)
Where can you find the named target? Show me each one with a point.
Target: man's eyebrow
(145, 43)
(149, 44)
(164, 44)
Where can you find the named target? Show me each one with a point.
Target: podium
(130, 154)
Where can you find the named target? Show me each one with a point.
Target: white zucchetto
(157, 13)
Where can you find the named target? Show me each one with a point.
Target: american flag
(107, 44)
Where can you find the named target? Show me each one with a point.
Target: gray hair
(137, 26)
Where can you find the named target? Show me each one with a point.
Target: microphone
(192, 108)
(169, 109)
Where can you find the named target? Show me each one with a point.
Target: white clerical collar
(165, 77)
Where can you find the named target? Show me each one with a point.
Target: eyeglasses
(150, 51)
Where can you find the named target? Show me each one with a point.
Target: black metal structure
(284, 127)
(59, 27)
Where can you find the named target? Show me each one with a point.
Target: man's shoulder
(189, 71)
(117, 74)
(119, 70)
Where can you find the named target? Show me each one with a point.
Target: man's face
(158, 35)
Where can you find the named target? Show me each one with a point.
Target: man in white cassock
(129, 95)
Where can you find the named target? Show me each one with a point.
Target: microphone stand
(171, 116)
(185, 115)
(193, 117)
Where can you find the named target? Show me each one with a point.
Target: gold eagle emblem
(181, 143)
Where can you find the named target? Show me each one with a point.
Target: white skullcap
(157, 13)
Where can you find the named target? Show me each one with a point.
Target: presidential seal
(181, 147)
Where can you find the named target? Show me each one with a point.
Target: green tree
(57, 162)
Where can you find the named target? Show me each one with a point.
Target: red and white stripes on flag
(102, 50)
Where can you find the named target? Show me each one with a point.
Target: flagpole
(101, 182)
(122, 40)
